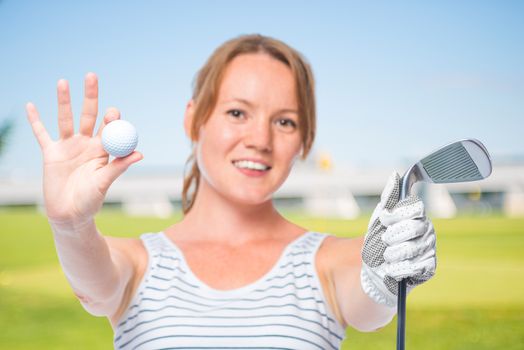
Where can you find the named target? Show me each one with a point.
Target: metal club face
(460, 161)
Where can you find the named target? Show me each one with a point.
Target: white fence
(337, 192)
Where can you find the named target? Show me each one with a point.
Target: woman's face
(247, 147)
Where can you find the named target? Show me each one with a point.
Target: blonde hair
(207, 84)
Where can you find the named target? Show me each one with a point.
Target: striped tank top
(284, 309)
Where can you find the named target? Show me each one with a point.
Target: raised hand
(77, 171)
(400, 244)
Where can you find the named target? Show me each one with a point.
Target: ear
(188, 118)
(300, 154)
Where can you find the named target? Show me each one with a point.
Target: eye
(287, 124)
(235, 113)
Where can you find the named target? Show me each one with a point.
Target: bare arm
(356, 309)
(77, 175)
(97, 271)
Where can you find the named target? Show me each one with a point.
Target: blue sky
(395, 79)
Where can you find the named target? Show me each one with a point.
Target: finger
(111, 114)
(428, 272)
(410, 250)
(38, 128)
(411, 208)
(406, 268)
(109, 173)
(405, 230)
(65, 114)
(90, 107)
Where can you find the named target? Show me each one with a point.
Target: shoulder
(127, 253)
(339, 251)
(132, 248)
(335, 256)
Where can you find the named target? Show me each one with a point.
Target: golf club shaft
(401, 315)
(405, 188)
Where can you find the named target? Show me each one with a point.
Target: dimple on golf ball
(119, 138)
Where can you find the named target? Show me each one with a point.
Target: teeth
(247, 164)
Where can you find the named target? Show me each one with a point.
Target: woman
(233, 273)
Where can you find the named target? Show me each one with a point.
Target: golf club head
(460, 161)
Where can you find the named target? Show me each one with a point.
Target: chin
(255, 198)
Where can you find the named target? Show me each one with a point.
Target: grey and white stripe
(285, 309)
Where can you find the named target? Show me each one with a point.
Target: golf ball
(119, 138)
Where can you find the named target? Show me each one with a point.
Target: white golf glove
(400, 243)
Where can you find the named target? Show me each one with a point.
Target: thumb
(388, 198)
(391, 193)
(109, 173)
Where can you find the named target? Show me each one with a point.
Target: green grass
(476, 300)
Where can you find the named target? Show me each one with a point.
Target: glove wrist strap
(375, 288)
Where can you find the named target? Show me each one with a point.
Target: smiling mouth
(248, 164)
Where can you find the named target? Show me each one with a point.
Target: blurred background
(395, 81)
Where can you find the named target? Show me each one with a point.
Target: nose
(259, 136)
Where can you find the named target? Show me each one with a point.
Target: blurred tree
(5, 130)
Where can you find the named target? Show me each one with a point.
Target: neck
(216, 218)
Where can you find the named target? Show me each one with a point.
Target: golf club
(460, 161)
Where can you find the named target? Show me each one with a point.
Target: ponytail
(191, 182)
